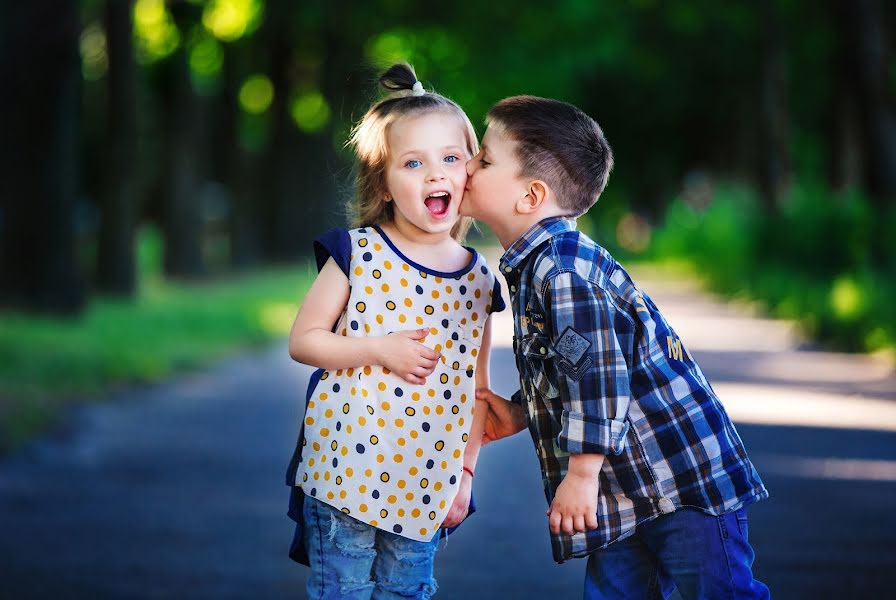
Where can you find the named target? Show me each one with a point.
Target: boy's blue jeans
(701, 555)
(352, 560)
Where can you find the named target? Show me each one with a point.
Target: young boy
(643, 470)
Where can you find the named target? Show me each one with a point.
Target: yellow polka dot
(331, 495)
(474, 352)
(475, 333)
(361, 306)
(376, 274)
(435, 293)
(426, 410)
(409, 411)
(419, 452)
(346, 407)
(311, 404)
(362, 489)
(445, 307)
(437, 486)
(362, 242)
(344, 450)
(475, 316)
(433, 330)
(328, 413)
(447, 289)
(381, 386)
(368, 473)
(408, 302)
(440, 409)
(367, 327)
(333, 445)
(477, 293)
(424, 483)
(414, 434)
(457, 454)
(399, 423)
(348, 429)
(384, 477)
(419, 320)
(403, 282)
(384, 513)
(373, 522)
(343, 494)
(400, 441)
(431, 393)
(377, 247)
(368, 290)
(445, 463)
(471, 276)
(442, 504)
(323, 395)
(362, 421)
(311, 462)
(400, 512)
(460, 422)
(385, 288)
(381, 422)
(456, 380)
(380, 458)
(309, 421)
(316, 446)
(440, 445)
(409, 497)
(405, 266)
(324, 432)
(391, 499)
(349, 472)
(367, 370)
(390, 305)
(423, 531)
(429, 309)
(374, 440)
(359, 271)
(379, 319)
(386, 406)
(413, 471)
(387, 264)
(402, 318)
(415, 396)
(401, 483)
(363, 507)
(415, 513)
(398, 458)
(447, 426)
(444, 378)
(316, 476)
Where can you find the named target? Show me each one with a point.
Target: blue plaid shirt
(602, 372)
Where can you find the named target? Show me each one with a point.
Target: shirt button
(513, 288)
(543, 350)
(665, 505)
(508, 269)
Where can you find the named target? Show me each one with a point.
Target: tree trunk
(182, 222)
(39, 186)
(116, 273)
(864, 26)
(774, 117)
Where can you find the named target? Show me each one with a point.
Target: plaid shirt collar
(534, 236)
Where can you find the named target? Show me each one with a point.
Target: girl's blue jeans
(352, 560)
(700, 555)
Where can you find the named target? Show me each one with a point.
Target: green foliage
(168, 329)
(810, 263)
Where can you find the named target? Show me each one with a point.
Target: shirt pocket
(537, 351)
(457, 351)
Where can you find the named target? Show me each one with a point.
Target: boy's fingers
(567, 525)
(579, 523)
(554, 522)
(591, 520)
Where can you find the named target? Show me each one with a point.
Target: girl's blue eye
(451, 158)
(413, 164)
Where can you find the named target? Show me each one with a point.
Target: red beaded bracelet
(468, 470)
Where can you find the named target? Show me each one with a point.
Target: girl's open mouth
(437, 204)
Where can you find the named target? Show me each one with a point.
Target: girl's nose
(436, 174)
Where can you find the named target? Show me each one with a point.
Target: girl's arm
(312, 341)
(461, 504)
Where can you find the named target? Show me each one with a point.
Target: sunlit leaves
(94, 54)
(156, 34)
(256, 94)
(310, 111)
(229, 20)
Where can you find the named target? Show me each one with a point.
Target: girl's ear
(537, 194)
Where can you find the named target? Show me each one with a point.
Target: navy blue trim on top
(334, 243)
(497, 300)
(420, 267)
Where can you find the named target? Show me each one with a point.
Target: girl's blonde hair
(369, 141)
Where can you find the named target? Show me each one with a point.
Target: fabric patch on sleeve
(572, 346)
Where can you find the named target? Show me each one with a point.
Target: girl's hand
(461, 504)
(403, 354)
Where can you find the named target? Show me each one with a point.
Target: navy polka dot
(359, 448)
(453, 479)
(375, 494)
(462, 349)
(419, 289)
(396, 528)
(426, 499)
(367, 256)
(336, 387)
(430, 463)
(454, 336)
(335, 462)
(447, 394)
(399, 392)
(355, 326)
(314, 491)
(425, 426)
(444, 322)
(463, 289)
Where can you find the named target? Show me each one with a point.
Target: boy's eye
(484, 162)
(451, 158)
(413, 163)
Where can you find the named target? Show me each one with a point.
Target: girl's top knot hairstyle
(405, 97)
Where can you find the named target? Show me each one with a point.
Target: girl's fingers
(411, 378)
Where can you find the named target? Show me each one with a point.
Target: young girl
(398, 322)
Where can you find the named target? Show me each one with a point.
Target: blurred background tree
(755, 140)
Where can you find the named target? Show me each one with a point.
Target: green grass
(47, 363)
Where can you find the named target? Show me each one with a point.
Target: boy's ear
(532, 201)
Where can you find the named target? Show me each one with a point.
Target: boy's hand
(574, 509)
(504, 418)
(461, 504)
(403, 354)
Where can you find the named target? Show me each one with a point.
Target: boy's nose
(470, 166)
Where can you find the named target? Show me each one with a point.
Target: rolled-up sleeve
(592, 373)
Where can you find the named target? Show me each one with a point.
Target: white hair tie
(417, 90)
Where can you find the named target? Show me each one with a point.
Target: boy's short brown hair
(559, 144)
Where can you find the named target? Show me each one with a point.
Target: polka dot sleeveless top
(379, 449)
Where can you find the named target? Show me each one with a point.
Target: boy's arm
(593, 382)
(461, 504)
(312, 341)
